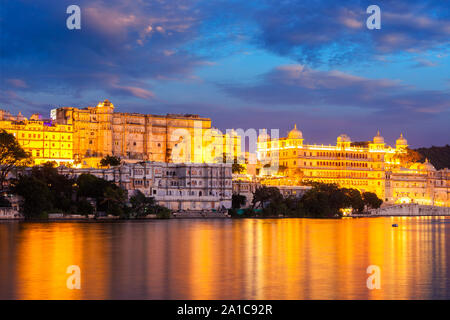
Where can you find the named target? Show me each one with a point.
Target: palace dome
(378, 138)
(426, 166)
(401, 141)
(295, 133)
(343, 138)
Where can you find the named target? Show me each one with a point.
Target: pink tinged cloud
(138, 92)
(18, 83)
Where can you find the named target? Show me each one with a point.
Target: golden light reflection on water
(227, 259)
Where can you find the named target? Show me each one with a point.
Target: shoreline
(88, 220)
(402, 210)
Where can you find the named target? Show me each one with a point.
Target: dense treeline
(45, 191)
(322, 200)
(438, 156)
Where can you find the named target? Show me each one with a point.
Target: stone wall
(411, 210)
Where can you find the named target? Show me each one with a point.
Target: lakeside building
(369, 166)
(419, 183)
(99, 131)
(44, 139)
(177, 186)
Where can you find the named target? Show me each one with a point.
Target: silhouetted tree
(37, 198)
(237, 201)
(110, 161)
(371, 200)
(438, 156)
(11, 155)
(141, 205)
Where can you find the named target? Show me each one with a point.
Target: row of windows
(38, 136)
(141, 183)
(45, 128)
(37, 153)
(342, 164)
(191, 193)
(325, 154)
(343, 174)
(407, 194)
(420, 185)
(46, 145)
(331, 164)
(346, 182)
(342, 154)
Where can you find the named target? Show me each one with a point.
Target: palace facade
(419, 183)
(83, 136)
(369, 166)
(44, 139)
(177, 186)
(99, 131)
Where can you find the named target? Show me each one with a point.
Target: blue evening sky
(246, 64)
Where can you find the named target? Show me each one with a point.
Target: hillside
(438, 156)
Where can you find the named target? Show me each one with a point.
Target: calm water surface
(227, 259)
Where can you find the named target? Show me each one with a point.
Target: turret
(401, 142)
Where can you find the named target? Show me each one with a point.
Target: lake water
(227, 259)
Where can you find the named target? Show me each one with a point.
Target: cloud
(323, 126)
(424, 63)
(301, 86)
(147, 55)
(120, 44)
(18, 83)
(334, 32)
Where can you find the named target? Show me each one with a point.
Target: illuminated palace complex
(371, 166)
(94, 132)
(81, 137)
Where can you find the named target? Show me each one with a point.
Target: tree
(162, 212)
(110, 161)
(263, 195)
(37, 198)
(237, 168)
(115, 198)
(45, 189)
(84, 207)
(109, 197)
(4, 202)
(89, 186)
(60, 186)
(141, 205)
(11, 155)
(237, 201)
(371, 200)
(438, 156)
(410, 156)
(325, 200)
(355, 200)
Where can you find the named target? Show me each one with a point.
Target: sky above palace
(246, 64)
